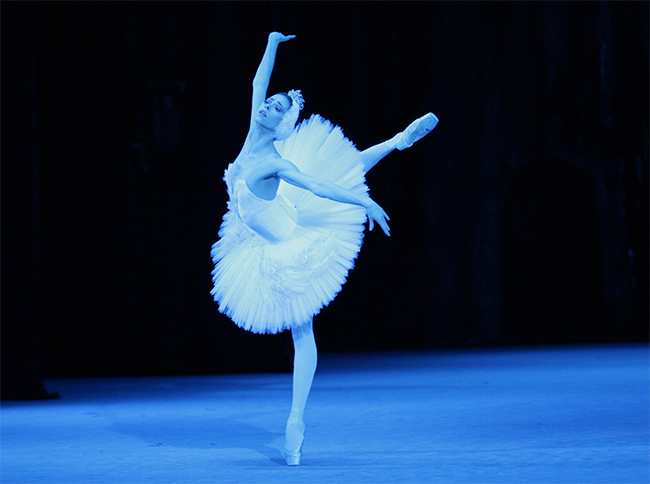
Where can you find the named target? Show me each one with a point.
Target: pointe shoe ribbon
(294, 438)
(418, 129)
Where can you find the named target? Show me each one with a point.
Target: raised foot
(418, 129)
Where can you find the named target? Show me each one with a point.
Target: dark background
(523, 218)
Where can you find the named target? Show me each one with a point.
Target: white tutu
(292, 255)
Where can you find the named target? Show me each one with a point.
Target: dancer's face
(272, 111)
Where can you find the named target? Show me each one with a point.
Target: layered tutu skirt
(279, 262)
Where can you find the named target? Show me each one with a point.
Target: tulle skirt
(269, 286)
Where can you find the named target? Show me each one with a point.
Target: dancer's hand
(377, 214)
(278, 37)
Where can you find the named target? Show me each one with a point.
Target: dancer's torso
(257, 168)
(255, 189)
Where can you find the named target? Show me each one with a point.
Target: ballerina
(297, 207)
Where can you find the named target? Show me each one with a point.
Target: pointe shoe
(418, 129)
(294, 438)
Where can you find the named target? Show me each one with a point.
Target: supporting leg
(304, 367)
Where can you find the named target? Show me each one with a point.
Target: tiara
(296, 97)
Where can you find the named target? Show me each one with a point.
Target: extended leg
(415, 131)
(372, 155)
(304, 367)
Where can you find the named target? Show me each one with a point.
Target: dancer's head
(272, 111)
(279, 113)
(290, 118)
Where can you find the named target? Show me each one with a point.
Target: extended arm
(326, 189)
(263, 74)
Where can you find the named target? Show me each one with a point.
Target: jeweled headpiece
(296, 97)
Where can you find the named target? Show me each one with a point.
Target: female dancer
(296, 212)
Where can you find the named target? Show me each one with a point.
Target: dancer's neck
(259, 141)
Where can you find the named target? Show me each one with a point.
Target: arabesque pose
(296, 212)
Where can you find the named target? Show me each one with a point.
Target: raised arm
(288, 172)
(263, 74)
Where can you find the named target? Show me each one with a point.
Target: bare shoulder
(282, 165)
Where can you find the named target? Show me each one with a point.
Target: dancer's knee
(304, 344)
(303, 334)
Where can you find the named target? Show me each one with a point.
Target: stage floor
(532, 415)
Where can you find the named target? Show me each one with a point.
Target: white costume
(278, 262)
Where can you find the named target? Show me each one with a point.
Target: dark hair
(286, 94)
